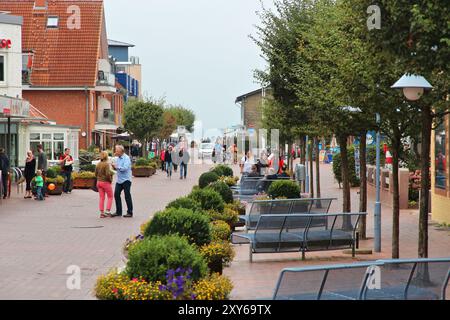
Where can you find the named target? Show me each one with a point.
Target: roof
(62, 56)
(245, 96)
(114, 43)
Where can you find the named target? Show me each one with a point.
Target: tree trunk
(347, 206)
(363, 187)
(425, 185)
(318, 187)
(303, 158)
(396, 145)
(311, 168)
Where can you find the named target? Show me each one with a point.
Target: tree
(169, 125)
(183, 116)
(143, 119)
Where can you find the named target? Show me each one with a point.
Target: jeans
(169, 168)
(183, 170)
(105, 189)
(126, 187)
(5, 184)
(67, 181)
(40, 193)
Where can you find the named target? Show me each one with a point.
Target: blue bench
(412, 279)
(251, 186)
(302, 233)
(287, 206)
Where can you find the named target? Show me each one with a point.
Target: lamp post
(414, 87)
(377, 211)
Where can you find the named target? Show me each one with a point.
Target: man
(66, 162)
(254, 173)
(246, 164)
(4, 167)
(42, 164)
(123, 167)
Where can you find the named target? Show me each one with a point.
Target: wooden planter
(143, 172)
(86, 183)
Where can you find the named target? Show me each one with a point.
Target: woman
(30, 172)
(104, 177)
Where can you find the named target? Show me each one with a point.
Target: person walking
(42, 164)
(183, 164)
(4, 167)
(104, 177)
(39, 181)
(123, 167)
(163, 160)
(168, 161)
(66, 162)
(30, 172)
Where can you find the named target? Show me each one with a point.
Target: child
(39, 181)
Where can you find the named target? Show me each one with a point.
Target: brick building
(66, 70)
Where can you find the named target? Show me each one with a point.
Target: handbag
(94, 187)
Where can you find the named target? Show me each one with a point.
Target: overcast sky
(196, 53)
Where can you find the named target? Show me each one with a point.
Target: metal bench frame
(303, 238)
(362, 295)
(310, 202)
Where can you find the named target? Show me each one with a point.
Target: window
(441, 157)
(2, 69)
(52, 22)
(27, 65)
(53, 144)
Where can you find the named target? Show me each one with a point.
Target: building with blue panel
(128, 68)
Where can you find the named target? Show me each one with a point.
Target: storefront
(441, 173)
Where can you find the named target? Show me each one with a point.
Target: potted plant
(217, 254)
(83, 180)
(58, 182)
(143, 168)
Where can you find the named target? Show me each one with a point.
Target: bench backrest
(416, 279)
(288, 206)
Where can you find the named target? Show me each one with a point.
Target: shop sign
(11, 107)
(5, 44)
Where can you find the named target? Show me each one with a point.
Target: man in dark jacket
(4, 167)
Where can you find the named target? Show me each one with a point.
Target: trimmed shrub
(53, 172)
(184, 203)
(337, 163)
(183, 222)
(228, 215)
(284, 189)
(223, 171)
(152, 257)
(208, 199)
(220, 230)
(207, 178)
(142, 162)
(223, 189)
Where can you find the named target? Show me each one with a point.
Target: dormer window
(52, 22)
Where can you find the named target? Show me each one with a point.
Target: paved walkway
(38, 241)
(258, 279)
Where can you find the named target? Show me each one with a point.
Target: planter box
(57, 192)
(80, 183)
(143, 172)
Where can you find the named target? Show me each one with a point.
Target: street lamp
(414, 87)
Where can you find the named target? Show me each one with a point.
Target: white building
(10, 56)
(23, 126)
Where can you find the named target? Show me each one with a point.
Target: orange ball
(51, 187)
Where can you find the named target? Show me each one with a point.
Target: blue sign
(371, 138)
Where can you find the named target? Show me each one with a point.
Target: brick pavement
(38, 241)
(257, 280)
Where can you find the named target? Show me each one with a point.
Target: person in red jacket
(163, 160)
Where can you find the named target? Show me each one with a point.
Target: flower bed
(180, 254)
(83, 180)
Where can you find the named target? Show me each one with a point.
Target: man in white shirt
(246, 164)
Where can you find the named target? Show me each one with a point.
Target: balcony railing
(106, 79)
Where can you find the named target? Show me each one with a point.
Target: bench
(413, 279)
(302, 233)
(288, 206)
(251, 187)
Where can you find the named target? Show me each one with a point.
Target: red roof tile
(62, 57)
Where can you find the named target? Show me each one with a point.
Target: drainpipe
(87, 117)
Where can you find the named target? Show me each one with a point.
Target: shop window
(53, 144)
(2, 69)
(441, 157)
